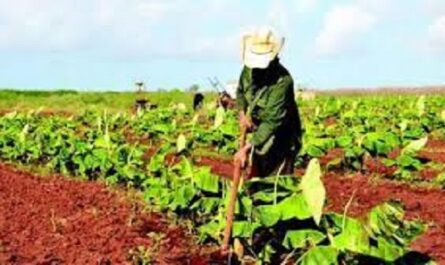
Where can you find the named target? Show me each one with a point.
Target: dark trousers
(275, 162)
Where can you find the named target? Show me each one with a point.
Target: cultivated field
(85, 179)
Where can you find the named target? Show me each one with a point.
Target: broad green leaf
(415, 145)
(336, 222)
(381, 142)
(183, 196)
(386, 251)
(269, 197)
(156, 163)
(344, 141)
(211, 229)
(314, 151)
(403, 125)
(349, 114)
(405, 161)
(320, 256)
(294, 206)
(336, 162)
(100, 154)
(302, 238)
(268, 215)
(206, 181)
(195, 119)
(420, 105)
(162, 127)
(442, 115)
(23, 133)
(317, 111)
(386, 221)
(324, 143)
(244, 206)
(181, 143)
(180, 107)
(206, 205)
(185, 168)
(102, 142)
(244, 229)
(313, 189)
(353, 237)
(219, 117)
(211, 105)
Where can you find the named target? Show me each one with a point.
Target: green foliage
(415, 145)
(284, 220)
(313, 190)
(284, 211)
(219, 117)
(320, 255)
(300, 239)
(181, 143)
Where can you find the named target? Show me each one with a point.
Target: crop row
(278, 218)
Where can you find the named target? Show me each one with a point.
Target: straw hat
(260, 48)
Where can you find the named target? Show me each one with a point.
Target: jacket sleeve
(274, 112)
(241, 102)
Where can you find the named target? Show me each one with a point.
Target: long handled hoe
(237, 175)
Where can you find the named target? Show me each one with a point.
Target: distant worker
(266, 101)
(226, 94)
(226, 101)
(198, 100)
(142, 103)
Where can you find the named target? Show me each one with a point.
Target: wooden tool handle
(242, 140)
(233, 194)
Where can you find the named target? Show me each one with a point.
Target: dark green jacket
(267, 96)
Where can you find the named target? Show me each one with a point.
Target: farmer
(226, 101)
(198, 100)
(266, 102)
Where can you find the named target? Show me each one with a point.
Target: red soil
(395, 153)
(433, 151)
(429, 174)
(435, 144)
(136, 139)
(332, 155)
(330, 121)
(148, 154)
(432, 156)
(218, 166)
(420, 203)
(59, 221)
(55, 220)
(376, 166)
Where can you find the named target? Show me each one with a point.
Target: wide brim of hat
(255, 60)
(259, 55)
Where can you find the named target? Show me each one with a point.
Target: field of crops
(367, 189)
